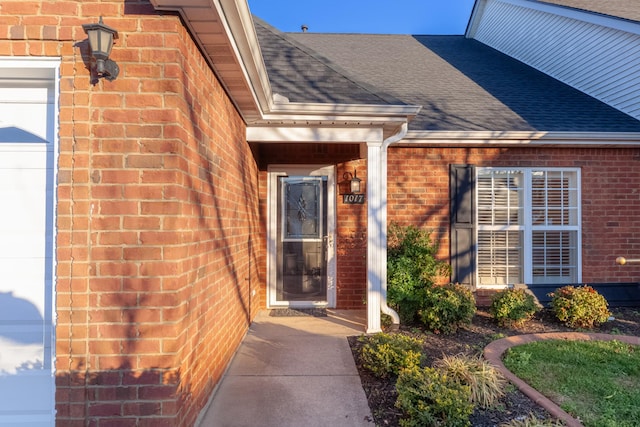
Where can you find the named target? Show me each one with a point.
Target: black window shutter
(463, 233)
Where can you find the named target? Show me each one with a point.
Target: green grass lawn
(595, 381)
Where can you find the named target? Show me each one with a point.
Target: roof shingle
(302, 76)
(462, 84)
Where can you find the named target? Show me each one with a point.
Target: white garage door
(27, 122)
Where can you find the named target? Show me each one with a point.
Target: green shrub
(405, 289)
(532, 421)
(429, 397)
(513, 307)
(485, 382)
(579, 307)
(411, 267)
(446, 308)
(385, 354)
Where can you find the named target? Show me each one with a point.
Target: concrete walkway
(292, 372)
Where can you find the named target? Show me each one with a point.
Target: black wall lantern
(101, 39)
(350, 184)
(355, 183)
(351, 188)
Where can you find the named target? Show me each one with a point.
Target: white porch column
(376, 237)
(377, 231)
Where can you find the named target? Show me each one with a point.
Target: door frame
(274, 172)
(40, 73)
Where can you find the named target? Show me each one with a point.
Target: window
(528, 226)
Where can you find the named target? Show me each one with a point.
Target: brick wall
(158, 227)
(351, 243)
(419, 195)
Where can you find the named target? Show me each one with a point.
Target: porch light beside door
(350, 184)
(355, 183)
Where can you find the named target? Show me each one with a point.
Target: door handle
(328, 241)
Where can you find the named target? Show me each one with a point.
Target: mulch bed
(472, 339)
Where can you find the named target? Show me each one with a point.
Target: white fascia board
(297, 122)
(511, 139)
(326, 119)
(385, 110)
(243, 33)
(580, 15)
(311, 134)
(339, 116)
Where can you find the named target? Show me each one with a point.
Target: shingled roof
(626, 9)
(462, 84)
(301, 75)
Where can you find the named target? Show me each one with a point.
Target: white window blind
(528, 226)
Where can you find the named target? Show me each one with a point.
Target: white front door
(301, 232)
(27, 121)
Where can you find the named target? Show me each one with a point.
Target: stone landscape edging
(493, 353)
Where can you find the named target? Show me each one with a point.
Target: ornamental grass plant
(485, 382)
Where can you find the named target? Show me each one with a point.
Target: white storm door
(27, 122)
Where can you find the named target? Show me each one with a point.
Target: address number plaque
(353, 199)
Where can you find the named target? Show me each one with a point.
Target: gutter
(383, 291)
(377, 230)
(506, 139)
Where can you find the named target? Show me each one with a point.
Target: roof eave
(607, 21)
(342, 112)
(479, 139)
(224, 31)
(387, 117)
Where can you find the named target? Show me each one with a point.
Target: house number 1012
(353, 199)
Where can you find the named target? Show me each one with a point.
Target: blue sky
(366, 16)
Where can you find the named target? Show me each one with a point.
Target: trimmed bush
(429, 397)
(446, 308)
(387, 354)
(411, 268)
(485, 382)
(579, 307)
(513, 307)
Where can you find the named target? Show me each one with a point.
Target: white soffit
(311, 134)
(223, 29)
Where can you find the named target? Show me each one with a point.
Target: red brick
(115, 136)
(159, 392)
(142, 408)
(105, 409)
(144, 131)
(119, 422)
(144, 161)
(22, 8)
(156, 422)
(144, 253)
